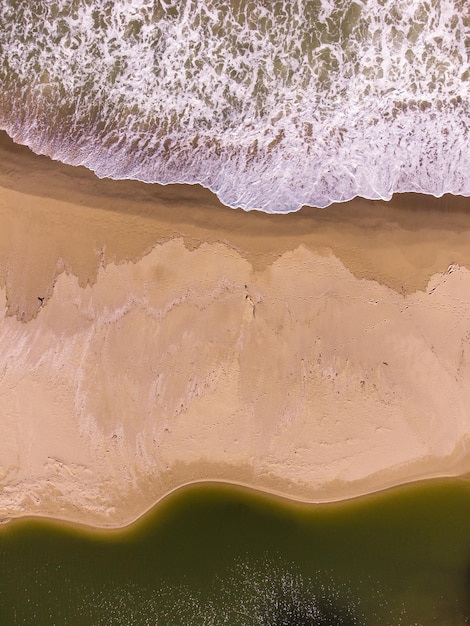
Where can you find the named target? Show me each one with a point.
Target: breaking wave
(271, 104)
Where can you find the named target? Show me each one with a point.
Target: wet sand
(150, 337)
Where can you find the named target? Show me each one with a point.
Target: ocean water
(272, 104)
(213, 555)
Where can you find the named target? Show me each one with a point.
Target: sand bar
(150, 337)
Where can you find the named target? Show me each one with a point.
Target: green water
(215, 555)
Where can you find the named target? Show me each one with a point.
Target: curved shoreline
(200, 184)
(285, 501)
(151, 338)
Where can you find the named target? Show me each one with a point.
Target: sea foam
(272, 105)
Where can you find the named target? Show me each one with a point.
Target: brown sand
(319, 355)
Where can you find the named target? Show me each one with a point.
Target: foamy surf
(271, 105)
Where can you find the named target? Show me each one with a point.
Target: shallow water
(271, 104)
(212, 555)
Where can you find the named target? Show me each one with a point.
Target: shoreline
(397, 196)
(152, 338)
(285, 500)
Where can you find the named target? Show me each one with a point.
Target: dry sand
(319, 355)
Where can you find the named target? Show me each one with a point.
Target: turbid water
(212, 555)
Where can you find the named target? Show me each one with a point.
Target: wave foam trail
(272, 105)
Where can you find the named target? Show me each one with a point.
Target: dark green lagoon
(213, 555)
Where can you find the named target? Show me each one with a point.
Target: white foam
(272, 107)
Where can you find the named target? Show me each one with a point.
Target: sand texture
(150, 337)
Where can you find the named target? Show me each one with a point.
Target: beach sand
(150, 337)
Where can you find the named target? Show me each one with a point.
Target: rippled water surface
(271, 104)
(212, 555)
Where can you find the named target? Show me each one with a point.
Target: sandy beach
(150, 337)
